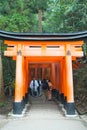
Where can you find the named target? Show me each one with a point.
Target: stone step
(40, 108)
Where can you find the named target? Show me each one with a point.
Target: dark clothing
(45, 85)
(34, 85)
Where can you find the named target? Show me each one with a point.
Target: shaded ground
(80, 89)
(7, 106)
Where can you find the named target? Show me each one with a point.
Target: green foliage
(77, 17)
(2, 104)
(18, 23)
(18, 19)
(66, 16)
(57, 15)
(8, 71)
(36, 5)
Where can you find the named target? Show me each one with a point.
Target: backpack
(45, 86)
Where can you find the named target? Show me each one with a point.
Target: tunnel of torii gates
(45, 55)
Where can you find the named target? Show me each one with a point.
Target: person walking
(50, 90)
(34, 87)
(39, 87)
(45, 88)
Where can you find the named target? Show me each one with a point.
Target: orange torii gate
(57, 50)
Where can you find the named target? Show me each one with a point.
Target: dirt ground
(6, 106)
(80, 89)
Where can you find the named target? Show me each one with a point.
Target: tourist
(34, 87)
(50, 90)
(45, 87)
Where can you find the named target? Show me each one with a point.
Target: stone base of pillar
(26, 98)
(70, 109)
(17, 107)
(55, 93)
(65, 102)
(23, 103)
(61, 98)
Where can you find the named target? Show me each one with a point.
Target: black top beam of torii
(43, 36)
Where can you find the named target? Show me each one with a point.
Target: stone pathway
(43, 115)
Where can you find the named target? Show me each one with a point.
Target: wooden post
(17, 106)
(62, 79)
(64, 83)
(35, 71)
(69, 81)
(57, 76)
(61, 92)
(59, 87)
(26, 80)
(27, 75)
(43, 73)
(57, 79)
(53, 75)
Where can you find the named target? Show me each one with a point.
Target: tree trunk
(1, 79)
(40, 20)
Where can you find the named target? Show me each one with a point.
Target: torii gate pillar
(17, 105)
(69, 81)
